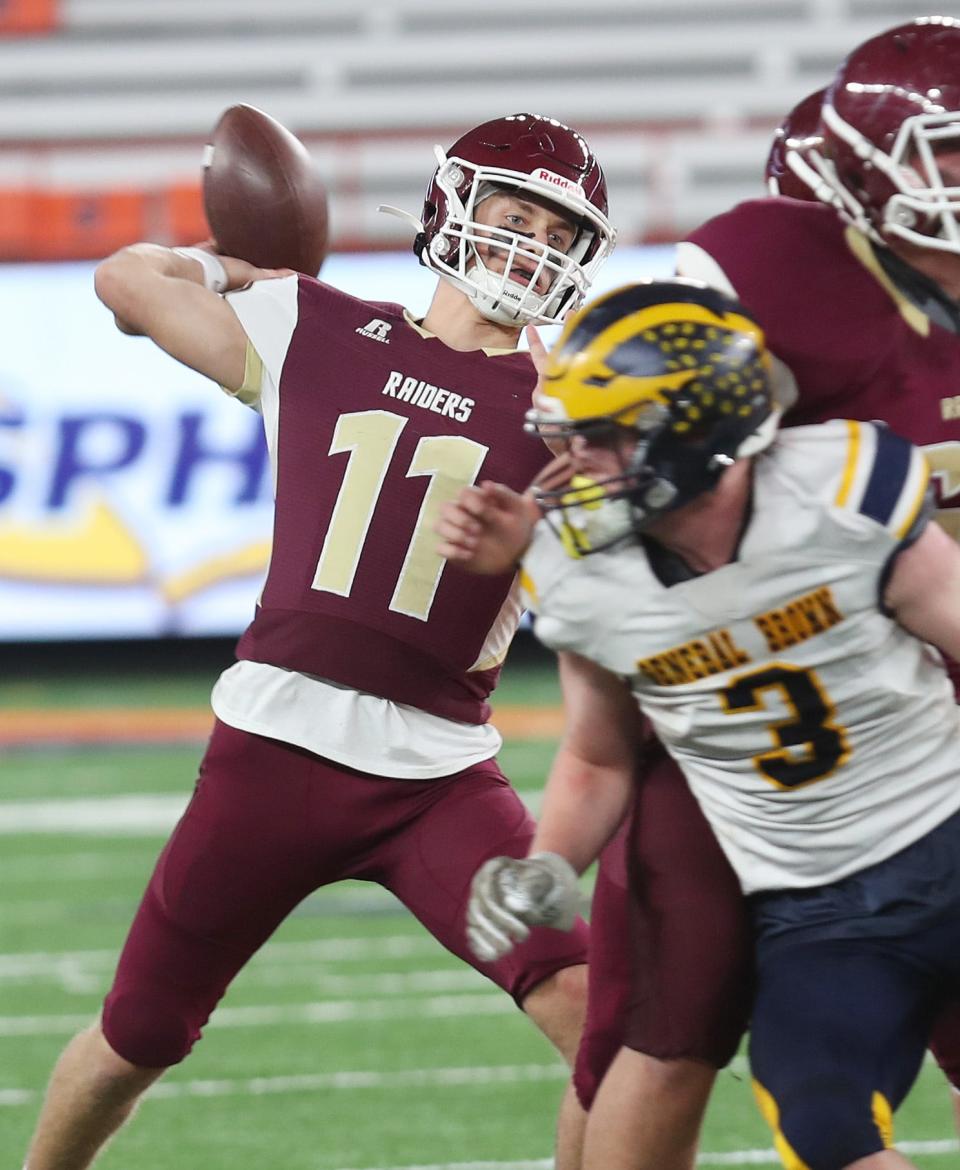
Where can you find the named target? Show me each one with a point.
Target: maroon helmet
(891, 114)
(785, 169)
(531, 155)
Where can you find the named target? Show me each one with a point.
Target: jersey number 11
(371, 437)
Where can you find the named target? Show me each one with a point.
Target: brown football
(263, 195)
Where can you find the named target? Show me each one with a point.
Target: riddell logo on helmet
(555, 180)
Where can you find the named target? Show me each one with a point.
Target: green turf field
(353, 1042)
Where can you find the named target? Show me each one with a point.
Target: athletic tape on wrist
(214, 273)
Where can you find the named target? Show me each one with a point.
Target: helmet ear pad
(668, 470)
(690, 465)
(421, 239)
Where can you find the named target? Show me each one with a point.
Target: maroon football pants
(270, 823)
(671, 960)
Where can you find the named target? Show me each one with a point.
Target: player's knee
(150, 1032)
(825, 1126)
(111, 1080)
(564, 993)
(558, 1006)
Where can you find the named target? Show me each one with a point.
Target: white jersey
(818, 735)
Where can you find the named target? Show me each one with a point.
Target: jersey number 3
(811, 727)
(370, 437)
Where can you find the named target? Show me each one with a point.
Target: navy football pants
(838, 1034)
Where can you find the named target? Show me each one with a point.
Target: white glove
(509, 895)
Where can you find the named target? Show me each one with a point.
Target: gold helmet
(679, 368)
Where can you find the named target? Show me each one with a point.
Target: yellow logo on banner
(243, 562)
(99, 549)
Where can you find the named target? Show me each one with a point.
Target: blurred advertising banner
(136, 497)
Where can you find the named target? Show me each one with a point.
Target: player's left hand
(509, 895)
(486, 528)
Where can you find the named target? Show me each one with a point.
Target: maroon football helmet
(889, 119)
(786, 169)
(531, 155)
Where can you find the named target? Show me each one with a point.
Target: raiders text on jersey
(427, 396)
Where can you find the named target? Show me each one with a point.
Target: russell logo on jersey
(376, 330)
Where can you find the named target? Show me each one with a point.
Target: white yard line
(327, 950)
(772, 1158)
(105, 815)
(75, 979)
(75, 866)
(346, 1081)
(756, 1157)
(351, 1081)
(428, 980)
(309, 978)
(492, 1003)
(135, 815)
(536, 1164)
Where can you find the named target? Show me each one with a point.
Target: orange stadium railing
(85, 225)
(22, 17)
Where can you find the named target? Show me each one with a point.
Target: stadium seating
(107, 102)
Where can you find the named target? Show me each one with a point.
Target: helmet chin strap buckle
(720, 461)
(659, 494)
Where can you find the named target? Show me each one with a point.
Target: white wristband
(214, 273)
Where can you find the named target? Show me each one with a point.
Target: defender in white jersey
(777, 681)
(771, 601)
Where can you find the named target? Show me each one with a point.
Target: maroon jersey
(376, 425)
(855, 344)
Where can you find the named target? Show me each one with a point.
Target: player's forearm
(128, 282)
(582, 808)
(142, 262)
(157, 292)
(591, 779)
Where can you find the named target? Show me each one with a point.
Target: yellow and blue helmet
(681, 365)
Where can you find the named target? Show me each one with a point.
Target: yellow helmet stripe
(679, 312)
(670, 312)
(567, 375)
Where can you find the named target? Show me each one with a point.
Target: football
(263, 195)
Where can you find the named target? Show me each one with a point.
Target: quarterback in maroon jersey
(858, 297)
(352, 736)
